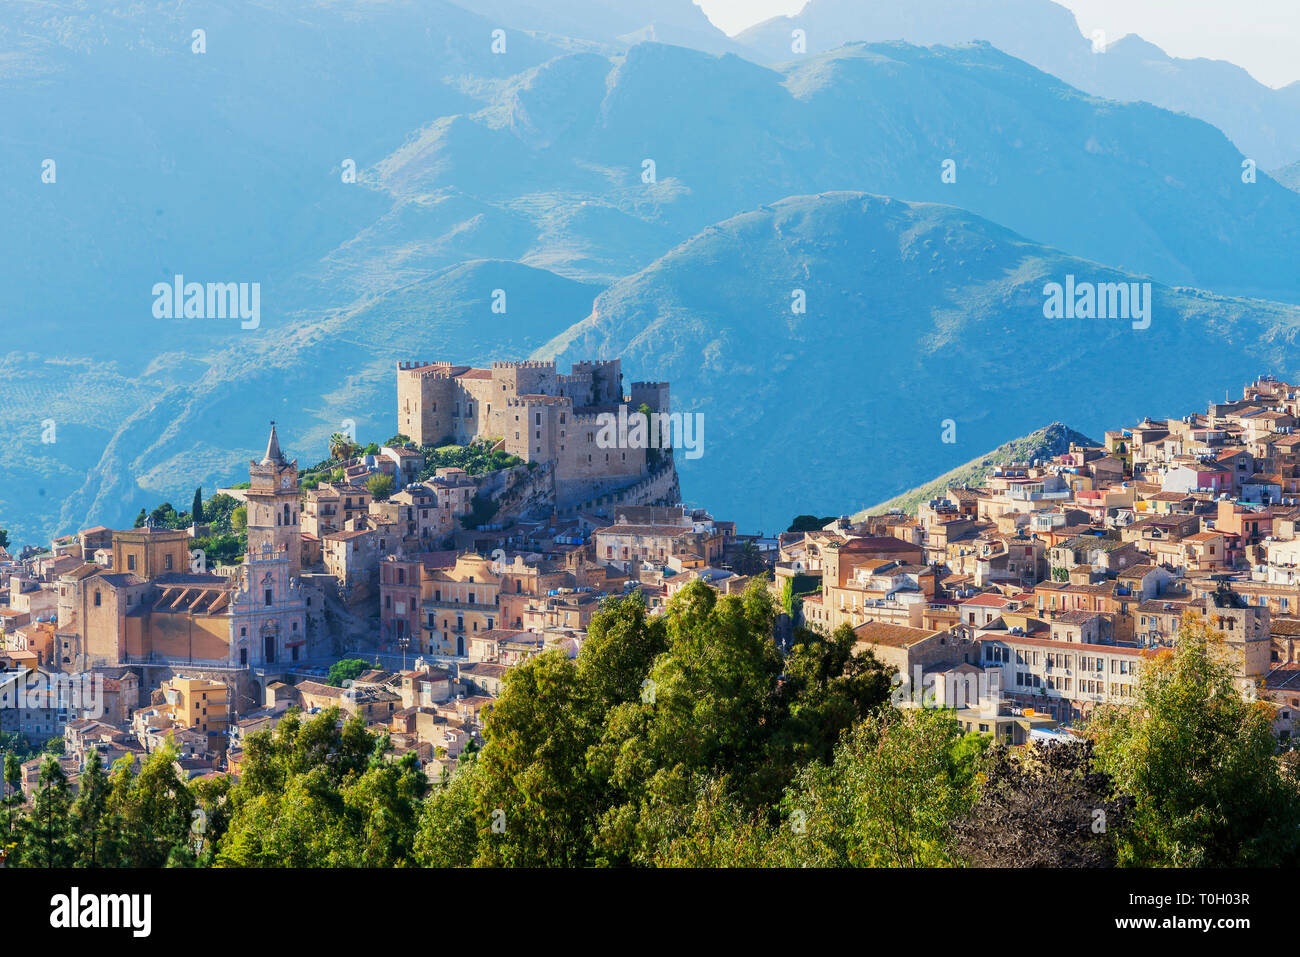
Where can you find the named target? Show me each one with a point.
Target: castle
(536, 413)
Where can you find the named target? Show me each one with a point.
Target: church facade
(150, 607)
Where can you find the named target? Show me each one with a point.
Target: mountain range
(1262, 121)
(526, 171)
(922, 322)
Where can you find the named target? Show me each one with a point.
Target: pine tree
(9, 806)
(91, 830)
(196, 510)
(13, 773)
(43, 840)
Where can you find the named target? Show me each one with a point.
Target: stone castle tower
(543, 416)
(273, 505)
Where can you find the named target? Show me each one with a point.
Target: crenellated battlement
(427, 370)
(445, 401)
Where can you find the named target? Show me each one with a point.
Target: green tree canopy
(1198, 756)
(346, 669)
(808, 523)
(380, 486)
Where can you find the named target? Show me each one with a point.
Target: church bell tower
(274, 504)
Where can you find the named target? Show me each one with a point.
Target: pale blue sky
(1259, 35)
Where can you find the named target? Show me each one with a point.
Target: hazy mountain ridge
(726, 135)
(469, 162)
(916, 314)
(1262, 121)
(679, 22)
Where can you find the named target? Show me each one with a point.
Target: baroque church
(157, 604)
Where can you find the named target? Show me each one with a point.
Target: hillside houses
(1067, 575)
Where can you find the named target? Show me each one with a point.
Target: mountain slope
(1263, 122)
(916, 314)
(1127, 184)
(185, 423)
(1044, 443)
(1288, 176)
(225, 167)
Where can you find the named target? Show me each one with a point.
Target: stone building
(150, 607)
(274, 505)
(536, 413)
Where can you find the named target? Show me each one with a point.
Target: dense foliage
(475, 458)
(689, 739)
(226, 539)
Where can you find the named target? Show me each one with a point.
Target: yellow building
(197, 703)
(149, 552)
(458, 603)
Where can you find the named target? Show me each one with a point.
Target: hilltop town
(436, 578)
(404, 591)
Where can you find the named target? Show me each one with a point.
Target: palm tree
(749, 560)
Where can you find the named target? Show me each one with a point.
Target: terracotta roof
(891, 636)
(990, 599)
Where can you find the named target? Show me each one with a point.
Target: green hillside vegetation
(1045, 443)
(689, 740)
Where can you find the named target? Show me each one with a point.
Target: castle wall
(582, 460)
(538, 414)
(606, 378)
(661, 488)
(653, 394)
